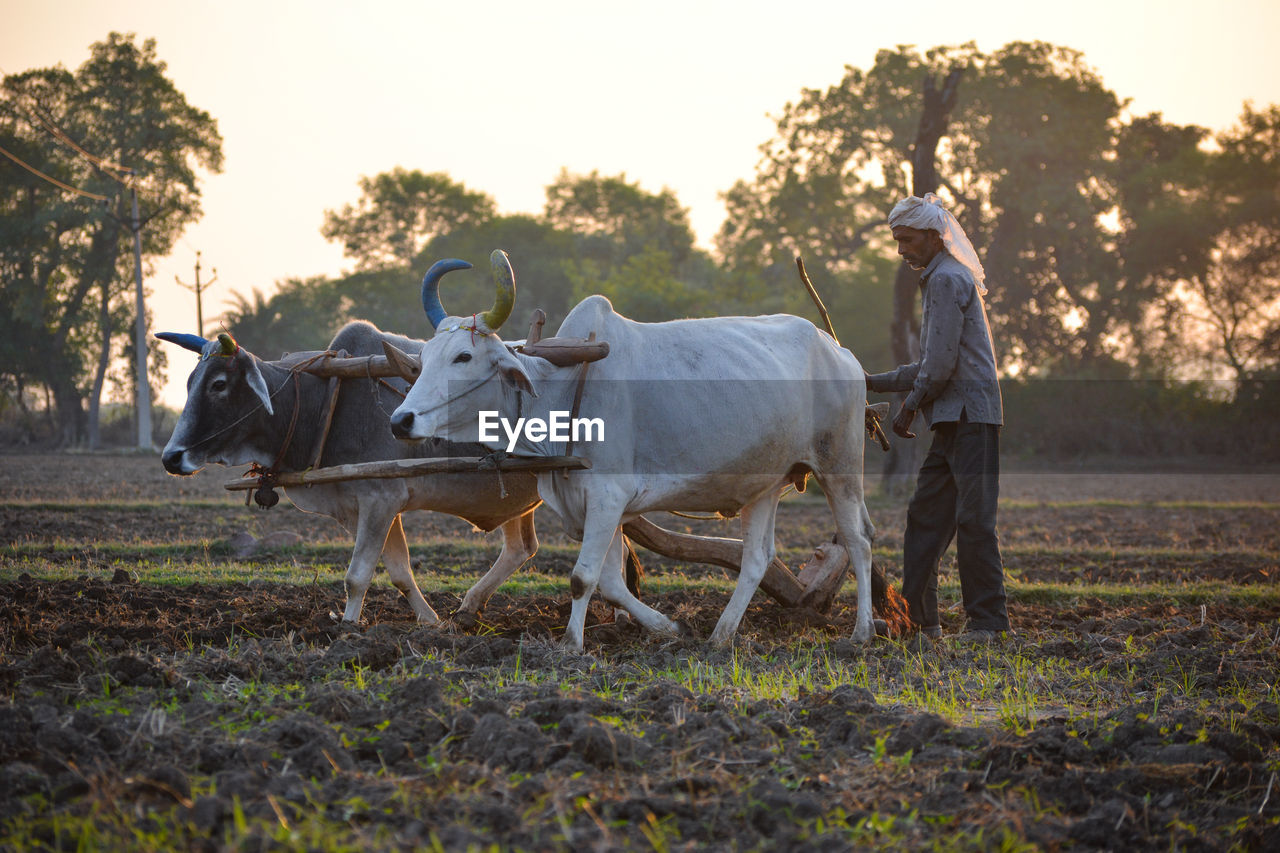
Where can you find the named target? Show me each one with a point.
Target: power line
(33, 170)
(58, 134)
(50, 126)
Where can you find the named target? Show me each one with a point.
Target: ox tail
(888, 603)
(633, 570)
(886, 600)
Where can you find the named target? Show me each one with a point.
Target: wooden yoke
(328, 364)
(397, 468)
(562, 352)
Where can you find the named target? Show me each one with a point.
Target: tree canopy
(1086, 218)
(399, 212)
(1115, 244)
(65, 257)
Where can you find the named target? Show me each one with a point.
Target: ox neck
(297, 401)
(555, 386)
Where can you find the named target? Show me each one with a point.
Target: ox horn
(228, 344)
(431, 288)
(504, 280)
(195, 343)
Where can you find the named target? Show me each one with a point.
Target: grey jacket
(957, 367)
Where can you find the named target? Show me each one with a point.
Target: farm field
(174, 677)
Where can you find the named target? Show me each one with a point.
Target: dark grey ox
(239, 410)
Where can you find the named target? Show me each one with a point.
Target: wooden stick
(577, 399)
(351, 368)
(331, 403)
(817, 300)
(409, 366)
(395, 468)
(535, 326)
(563, 352)
(778, 581)
(873, 420)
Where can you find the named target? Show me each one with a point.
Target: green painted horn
(229, 345)
(504, 281)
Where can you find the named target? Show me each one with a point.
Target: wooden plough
(820, 578)
(778, 582)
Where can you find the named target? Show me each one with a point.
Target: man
(954, 387)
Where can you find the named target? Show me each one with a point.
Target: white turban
(928, 214)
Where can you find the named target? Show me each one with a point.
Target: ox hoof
(722, 641)
(570, 647)
(685, 630)
(346, 626)
(466, 619)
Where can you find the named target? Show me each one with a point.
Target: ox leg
(373, 525)
(757, 554)
(395, 556)
(853, 525)
(519, 544)
(597, 542)
(614, 589)
(372, 528)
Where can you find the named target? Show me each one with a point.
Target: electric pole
(197, 288)
(142, 389)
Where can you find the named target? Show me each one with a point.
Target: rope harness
(265, 496)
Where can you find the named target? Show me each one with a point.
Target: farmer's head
(917, 246)
(923, 227)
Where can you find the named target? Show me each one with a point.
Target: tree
(1236, 286)
(399, 212)
(64, 262)
(1036, 161)
(303, 314)
(597, 234)
(614, 219)
(643, 287)
(635, 246)
(541, 255)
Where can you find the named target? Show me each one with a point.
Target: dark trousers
(955, 498)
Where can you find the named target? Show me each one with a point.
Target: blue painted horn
(195, 343)
(431, 288)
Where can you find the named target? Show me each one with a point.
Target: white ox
(715, 414)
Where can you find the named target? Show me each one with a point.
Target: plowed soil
(1140, 713)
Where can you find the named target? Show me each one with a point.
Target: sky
(310, 96)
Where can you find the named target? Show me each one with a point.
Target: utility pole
(197, 287)
(142, 390)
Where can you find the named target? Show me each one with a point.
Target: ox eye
(462, 357)
(218, 385)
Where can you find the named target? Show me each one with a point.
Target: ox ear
(259, 385)
(513, 374)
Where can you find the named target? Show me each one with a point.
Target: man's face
(917, 247)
